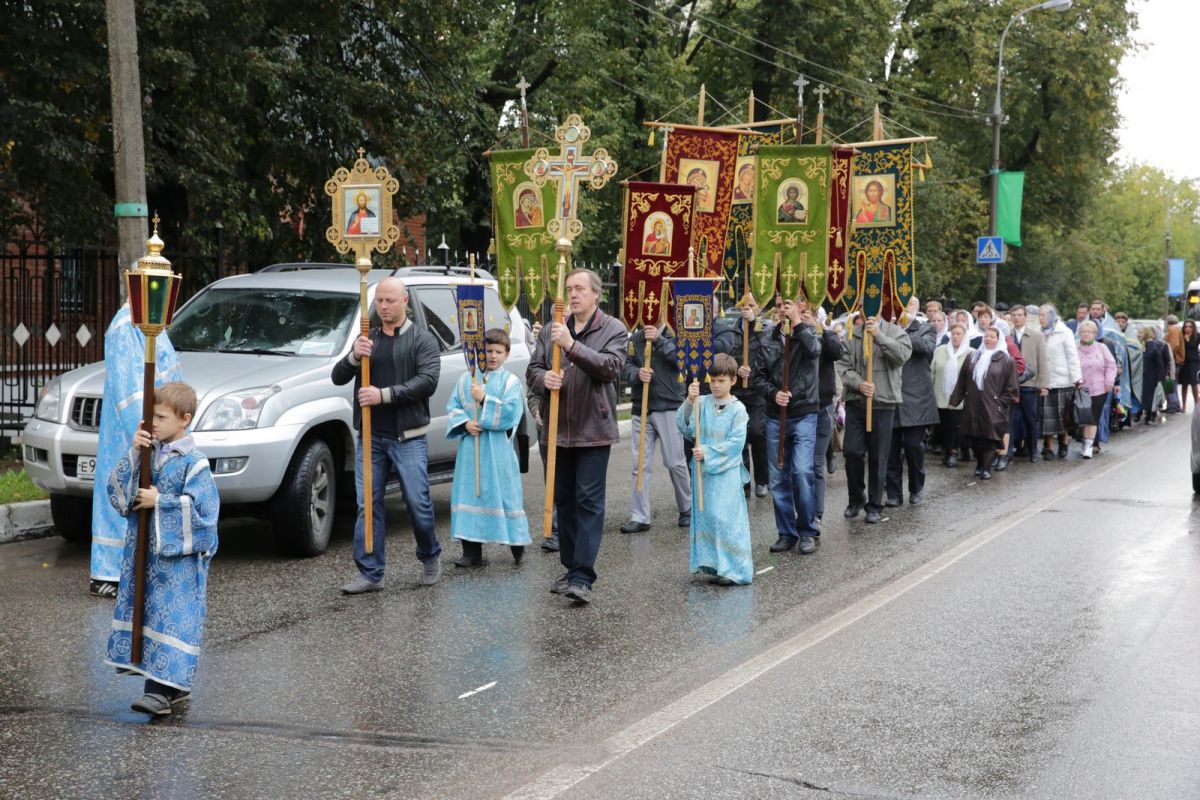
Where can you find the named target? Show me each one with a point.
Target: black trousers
(866, 454)
(985, 451)
(908, 446)
(580, 478)
(1027, 413)
(948, 423)
(755, 451)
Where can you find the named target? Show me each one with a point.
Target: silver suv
(259, 350)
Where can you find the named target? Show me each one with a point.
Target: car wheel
(72, 517)
(302, 516)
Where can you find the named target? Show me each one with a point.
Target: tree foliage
(249, 107)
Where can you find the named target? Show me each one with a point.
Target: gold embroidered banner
(657, 234)
(707, 160)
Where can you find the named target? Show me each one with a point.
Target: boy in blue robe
(183, 506)
(721, 532)
(484, 415)
(120, 413)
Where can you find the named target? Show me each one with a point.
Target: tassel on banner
(491, 251)
(838, 241)
(650, 143)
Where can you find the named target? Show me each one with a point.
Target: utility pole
(129, 152)
(1167, 258)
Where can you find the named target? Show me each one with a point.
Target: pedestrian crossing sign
(989, 250)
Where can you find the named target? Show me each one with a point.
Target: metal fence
(55, 302)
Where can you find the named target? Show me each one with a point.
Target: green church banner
(791, 222)
(524, 248)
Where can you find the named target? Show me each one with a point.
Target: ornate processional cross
(570, 168)
(820, 92)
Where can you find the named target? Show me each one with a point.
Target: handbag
(1082, 406)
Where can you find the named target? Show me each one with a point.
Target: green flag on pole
(1011, 186)
(520, 211)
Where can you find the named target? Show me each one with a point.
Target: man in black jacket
(727, 338)
(831, 351)
(666, 395)
(792, 484)
(405, 365)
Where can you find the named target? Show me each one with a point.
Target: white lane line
(764, 569)
(561, 778)
(483, 688)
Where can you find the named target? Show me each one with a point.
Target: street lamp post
(997, 117)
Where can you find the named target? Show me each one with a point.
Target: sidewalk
(28, 520)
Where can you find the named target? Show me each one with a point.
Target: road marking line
(483, 688)
(557, 780)
(764, 569)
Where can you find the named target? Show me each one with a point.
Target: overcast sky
(1159, 109)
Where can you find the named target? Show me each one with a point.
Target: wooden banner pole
(363, 264)
(564, 247)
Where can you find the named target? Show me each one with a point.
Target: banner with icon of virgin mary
(520, 211)
(707, 160)
(659, 223)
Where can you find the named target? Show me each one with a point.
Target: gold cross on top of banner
(570, 168)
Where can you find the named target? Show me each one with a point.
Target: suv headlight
(237, 410)
(49, 404)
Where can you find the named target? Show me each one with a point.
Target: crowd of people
(787, 391)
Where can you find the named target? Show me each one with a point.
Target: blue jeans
(411, 460)
(824, 435)
(792, 484)
(580, 480)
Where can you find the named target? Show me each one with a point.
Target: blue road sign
(989, 250)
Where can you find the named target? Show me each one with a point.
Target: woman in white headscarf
(947, 363)
(987, 388)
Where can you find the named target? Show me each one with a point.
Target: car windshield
(276, 321)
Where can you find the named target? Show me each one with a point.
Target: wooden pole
(641, 464)
(745, 343)
(869, 354)
(127, 131)
(699, 465)
(141, 545)
(363, 264)
(474, 368)
(787, 381)
(564, 247)
(700, 109)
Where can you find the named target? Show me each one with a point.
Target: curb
(28, 520)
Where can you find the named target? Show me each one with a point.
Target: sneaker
(579, 592)
(431, 570)
(873, 517)
(816, 523)
(985, 475)
(916, 499)
(103, 589)
(550, 545)
(852, 511)
(760, 490)
(361, 585)
(1087, 451)
(685, 520)
(635, 527)
(894, 502)
(560, 585)
(1001, 463)
(783, 544)
(809, 545)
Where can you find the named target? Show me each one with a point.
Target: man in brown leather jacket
(593, 351)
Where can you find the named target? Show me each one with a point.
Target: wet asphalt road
(1034, 636)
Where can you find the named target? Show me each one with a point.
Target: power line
(958, 113)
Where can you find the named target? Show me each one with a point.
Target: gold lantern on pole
(153, 293)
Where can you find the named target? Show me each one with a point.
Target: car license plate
(86, 468)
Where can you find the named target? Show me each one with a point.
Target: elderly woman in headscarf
(1062, 361)
(947, 363)
(1099, 370)
(987, 388)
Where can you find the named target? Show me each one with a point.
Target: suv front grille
(85, 413)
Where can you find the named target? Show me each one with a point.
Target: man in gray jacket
(866, 453)
(917, 412)
(666, 395)
(1035, 384)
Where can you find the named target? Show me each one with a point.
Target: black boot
(472, 555)
(518, 551)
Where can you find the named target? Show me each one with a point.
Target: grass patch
(16, 487)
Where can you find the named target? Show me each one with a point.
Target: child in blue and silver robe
(120, 413)
(721, 532)
(497, 514)
(184, 506)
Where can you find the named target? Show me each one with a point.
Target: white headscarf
(954, 364)
(985, 360)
